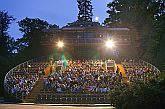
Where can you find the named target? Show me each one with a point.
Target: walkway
(124, 78)
(47, 70)
(35, 91)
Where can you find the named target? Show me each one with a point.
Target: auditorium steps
(124, 77)
(35, 91)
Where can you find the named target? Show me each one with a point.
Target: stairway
(124, 77)
(35, 91)
(47, 70)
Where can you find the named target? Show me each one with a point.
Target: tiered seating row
(73, 98)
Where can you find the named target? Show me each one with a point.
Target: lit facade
(84, 38)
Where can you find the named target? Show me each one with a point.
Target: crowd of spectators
(22, 80)
(77, 76)
(21, 85)
(82, 76)
(136, 71)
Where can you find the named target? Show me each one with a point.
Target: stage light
(109, 44)
(60, 44)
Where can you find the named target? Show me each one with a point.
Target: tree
(140, 16)
(5, 39)
(33, 29)
(160, 39)
(128, 13)
(140, 96)
(85, 11)
(6, 46)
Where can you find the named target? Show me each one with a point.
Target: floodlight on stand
(109, 44)
(60, 44)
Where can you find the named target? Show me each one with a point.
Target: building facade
(86, 39)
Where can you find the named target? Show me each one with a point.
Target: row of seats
(70, 98)
(38, 64)
(132, 65)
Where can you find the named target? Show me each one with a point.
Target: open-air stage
(38, 106)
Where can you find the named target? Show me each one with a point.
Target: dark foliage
(29, 45)
(140, 96)
(6, 46)
(146, 17)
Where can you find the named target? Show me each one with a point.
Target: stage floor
(37, 106)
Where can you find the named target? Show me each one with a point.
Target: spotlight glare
(109, 44)
(60, 44)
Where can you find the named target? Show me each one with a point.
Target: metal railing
(151, 72)
(149, 65)
(144, 63)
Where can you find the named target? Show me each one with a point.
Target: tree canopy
(6, 45)
(33, 30)
(5, 40)
(146, 17)
(140, 96)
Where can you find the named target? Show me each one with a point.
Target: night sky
(58, 12)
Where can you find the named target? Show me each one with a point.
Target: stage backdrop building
(85, 38)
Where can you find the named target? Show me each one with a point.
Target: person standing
(118, 70)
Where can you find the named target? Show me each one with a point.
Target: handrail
(150, 66)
